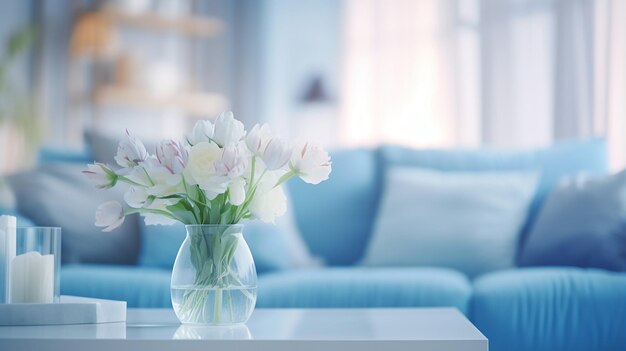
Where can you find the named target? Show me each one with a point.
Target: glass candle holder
(34, 271)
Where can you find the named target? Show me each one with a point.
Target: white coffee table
(433, 329)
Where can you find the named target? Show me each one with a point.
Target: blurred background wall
(427, 73)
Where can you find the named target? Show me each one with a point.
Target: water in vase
(212, 305)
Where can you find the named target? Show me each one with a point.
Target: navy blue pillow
(583, 224)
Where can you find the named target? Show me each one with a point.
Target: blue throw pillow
(267, 242)
(467, 221)
(21, 220)
(553, 163)
(582, 223)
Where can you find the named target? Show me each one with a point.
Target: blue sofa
(544, 308)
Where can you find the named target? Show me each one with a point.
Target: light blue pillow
(60, 195)
(553, 162)
(465, 221)
(583, 224)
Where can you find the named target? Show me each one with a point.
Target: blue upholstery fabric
(554, 162)
(139, 286)
(364, 287)
(324, 287)
(21, 220)
(335, 217)
(160, 244)
(547, 309)
(51, 155)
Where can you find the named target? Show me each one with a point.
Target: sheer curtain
(503, 73)
(409, 73)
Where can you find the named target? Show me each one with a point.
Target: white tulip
(165, 183)
(228, 130)
(140, 175)
(172, 156)
(269, 205)
(202, 131)
(101, 175)
(233, 161)
(276, 154)
(109, 215)
(258, 138)
(311, 163)
(130, 152)
(269, 201)
(157, 219)
(158, 179)
(201, 169)
(237, 191)
(136, 197)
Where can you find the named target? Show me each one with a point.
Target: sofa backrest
(336, 217)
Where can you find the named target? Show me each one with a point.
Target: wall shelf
(191, 103)
(190, 25)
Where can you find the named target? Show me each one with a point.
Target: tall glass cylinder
(34, 271)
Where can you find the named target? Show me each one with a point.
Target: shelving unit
(190, 103)
(190, 25)
(95, 42)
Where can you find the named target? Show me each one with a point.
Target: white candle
(32, 278)
(7, 253)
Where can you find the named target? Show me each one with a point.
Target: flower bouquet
(217, 177)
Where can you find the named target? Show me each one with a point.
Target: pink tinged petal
(130, 151)
(100, 175)
(304, 150)
(312, 164)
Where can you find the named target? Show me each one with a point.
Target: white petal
(136, 197)
(155, 219)
(237, 191)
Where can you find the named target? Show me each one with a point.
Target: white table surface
(433, 329)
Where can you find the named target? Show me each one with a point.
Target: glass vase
(214, 279)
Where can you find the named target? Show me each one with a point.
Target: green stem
(130, 181)
(285, 177)
(217, 308)
(130, 211)
(230, 305)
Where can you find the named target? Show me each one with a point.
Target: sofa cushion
(554, 162)
(60, 195)
(139, 286)
(551, 309)
(364, 287)
(466, 221)
(582, 223)
(335, 216)
(21, 220)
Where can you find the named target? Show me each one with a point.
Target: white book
(70, 310)
(7, 253)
